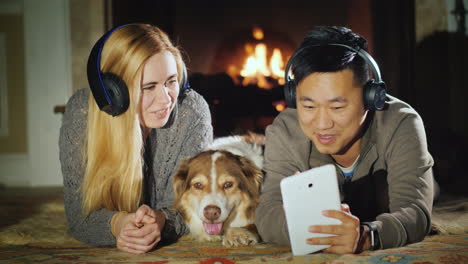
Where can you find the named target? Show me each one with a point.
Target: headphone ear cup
(184, 83)
(118, 94)
(290, 93)
(375, 95)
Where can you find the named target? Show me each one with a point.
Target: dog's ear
(254, 138)
(179, 181)
(253, 174)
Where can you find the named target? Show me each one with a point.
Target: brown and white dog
(217, 191)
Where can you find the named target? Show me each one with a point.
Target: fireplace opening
(245, 90)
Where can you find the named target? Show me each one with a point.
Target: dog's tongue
(213, 229)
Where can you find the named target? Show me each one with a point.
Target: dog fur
(217, 191)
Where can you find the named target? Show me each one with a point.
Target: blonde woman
(121, 142)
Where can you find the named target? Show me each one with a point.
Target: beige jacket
(392, 184)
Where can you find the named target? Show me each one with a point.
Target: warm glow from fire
(279, 105)
(279, 108)
(257, 33)
(256, 68)
(256, 62)
(276, 66)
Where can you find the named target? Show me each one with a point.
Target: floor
(19, 203)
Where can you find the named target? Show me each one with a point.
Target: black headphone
(109, 90)
(374, 91)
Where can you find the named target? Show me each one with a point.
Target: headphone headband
(366, 56)
(360, 52)
(98, 47)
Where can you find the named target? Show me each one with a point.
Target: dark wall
(160, 13)
(441, 86)
(394, 40)
(431, 76)
(201, 26)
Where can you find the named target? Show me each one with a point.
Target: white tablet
(305, 196)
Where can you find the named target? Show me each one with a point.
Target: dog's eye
(198, 186)
(227, 185)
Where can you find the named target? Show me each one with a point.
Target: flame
(257, 33)
(280, 108)
(256, 68)
(256, 62)
(279, 105)
(276, 66)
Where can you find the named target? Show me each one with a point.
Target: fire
(256, 69)
(276, 66)
(257, 33)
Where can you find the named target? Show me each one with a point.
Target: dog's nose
(212, 212)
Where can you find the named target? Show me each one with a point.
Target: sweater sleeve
(197, 134)
(93, 229)
(286, 151)
(410, 183)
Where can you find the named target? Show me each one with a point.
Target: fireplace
(256, 56)
(236, 51)
(244, 90)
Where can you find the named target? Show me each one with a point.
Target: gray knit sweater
(189, 134)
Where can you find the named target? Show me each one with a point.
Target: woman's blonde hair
(114, 145)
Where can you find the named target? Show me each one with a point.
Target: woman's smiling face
(159, 90)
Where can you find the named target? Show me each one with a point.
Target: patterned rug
(42, 238)
(436, 249)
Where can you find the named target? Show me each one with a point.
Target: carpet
(42, 238)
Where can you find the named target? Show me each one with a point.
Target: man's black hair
(313, 55)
